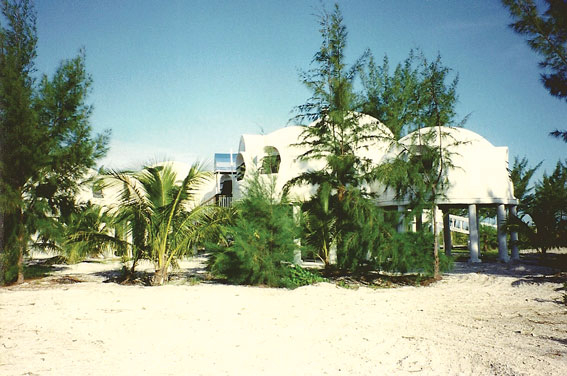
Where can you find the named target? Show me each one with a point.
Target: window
(240, 171)
(271, 161)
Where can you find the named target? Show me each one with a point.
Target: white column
(447, 233)
(401, 218)
(473, 235)
(439, 222)
(514, 235)
(501, 225)
(297, 253)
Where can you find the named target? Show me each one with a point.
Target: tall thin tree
(336, 136)
(46, 137)
(418, 173)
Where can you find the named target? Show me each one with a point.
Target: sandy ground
(489, 319)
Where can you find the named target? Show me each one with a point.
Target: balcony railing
(224, 201)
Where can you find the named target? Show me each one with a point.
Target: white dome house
(480, 177)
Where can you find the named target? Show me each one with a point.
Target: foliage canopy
(46, 140)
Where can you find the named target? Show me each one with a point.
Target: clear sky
(184, 79)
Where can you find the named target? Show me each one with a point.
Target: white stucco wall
(480, 175)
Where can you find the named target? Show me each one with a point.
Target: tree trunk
(341, 190)
(326, 258)
(160, 277)
(20, 279)
(21, 250)
(2, 250)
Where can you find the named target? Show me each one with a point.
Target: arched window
(271, 161)
(240, 167)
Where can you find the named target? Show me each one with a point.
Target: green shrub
(410, 252)
(297, 276)
(488, 238)
(361, 228)
(459, 239)
(9, 265)
(261, 242)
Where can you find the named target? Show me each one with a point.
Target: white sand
(488, 322)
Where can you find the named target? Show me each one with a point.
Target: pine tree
(393, 98)
(542, 213)
(336, 138)
(17, 122)
(419, 172)
(548, 209)
(46, 142)
(546, 34)
(259, 245)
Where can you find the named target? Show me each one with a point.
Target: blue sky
(184, 79)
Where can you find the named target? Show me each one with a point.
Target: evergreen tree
(521, 175)
(419, 173)
(335, 138)
(46, 142)
(393, 98)
(548, 210)
(546, 34)
(17, 122)
(542, 214)
(259, 245)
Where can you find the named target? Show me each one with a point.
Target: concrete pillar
(474, 239)
(297, 253)
(501, 225)
(401, 218)
(514, 236)
(447, 233)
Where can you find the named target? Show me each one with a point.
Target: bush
(488, 238)
(410, 252)
(297, 276)
(362, 228)
(261, 242)
(9, 266)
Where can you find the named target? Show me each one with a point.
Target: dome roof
(480, 172)
(454, 135)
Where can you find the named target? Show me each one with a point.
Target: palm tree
(88, 230)
(319, 222)
(161, 215)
